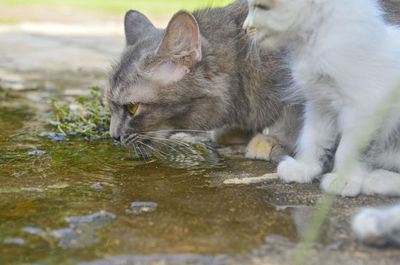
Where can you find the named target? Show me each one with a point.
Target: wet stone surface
(49, 201)
(82, 231)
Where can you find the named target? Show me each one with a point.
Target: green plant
(91, 119)
(3, 93)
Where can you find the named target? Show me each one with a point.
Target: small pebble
(59, 186)
(37, 153)
(61, 232)
(34, 230)
(33, 189)
(101, 218)
(17, 241)
(97, 186)
(57, 137)
(142, 207)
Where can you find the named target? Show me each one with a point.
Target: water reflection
(194, 214)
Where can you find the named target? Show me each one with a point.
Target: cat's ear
(180, 47)
(136, 26)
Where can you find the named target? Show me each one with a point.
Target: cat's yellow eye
(132, 108)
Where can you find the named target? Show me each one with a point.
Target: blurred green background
(120, 6)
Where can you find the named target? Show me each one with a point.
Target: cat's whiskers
(182, 143)
(182, 147)
(254, 51)
(239, 37)
(244, 37)
(165, 144)
(138, 153)
(134, 147)
(177, 131)
(130, 139)
(179, 149)
(156, 151)
(143, 153)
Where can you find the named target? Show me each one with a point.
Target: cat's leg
(265, 147)
(318, 135)
(231, 136)
(381, 181)
(362, 177)
(351, 183)
(384, 154)
(378, 226)
(231, 141)
(278, 140)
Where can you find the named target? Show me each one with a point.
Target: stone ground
(67, 49)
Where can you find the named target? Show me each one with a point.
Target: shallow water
(70, 201)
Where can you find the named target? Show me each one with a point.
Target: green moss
(91, 120)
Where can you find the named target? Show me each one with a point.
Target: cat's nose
(114, 134)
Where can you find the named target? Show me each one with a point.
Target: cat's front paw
(291, 170)
(265, 148)
(335, 184)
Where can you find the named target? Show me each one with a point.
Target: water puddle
(75, 201)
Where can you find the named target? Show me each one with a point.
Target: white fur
(344, 60)
(378, 226)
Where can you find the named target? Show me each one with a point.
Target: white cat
(344, 59)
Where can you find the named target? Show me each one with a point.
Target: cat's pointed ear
(136, 25)
(181, 42)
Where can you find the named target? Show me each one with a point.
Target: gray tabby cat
(201, 73)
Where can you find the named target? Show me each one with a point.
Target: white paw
(367, 228)
(291, 170)
(347, 187)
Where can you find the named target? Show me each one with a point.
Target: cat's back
(224, 22)
(222, 30)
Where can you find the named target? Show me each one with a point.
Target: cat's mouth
(251, 31)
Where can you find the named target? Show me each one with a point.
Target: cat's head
(274, 23)
(156, 85)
